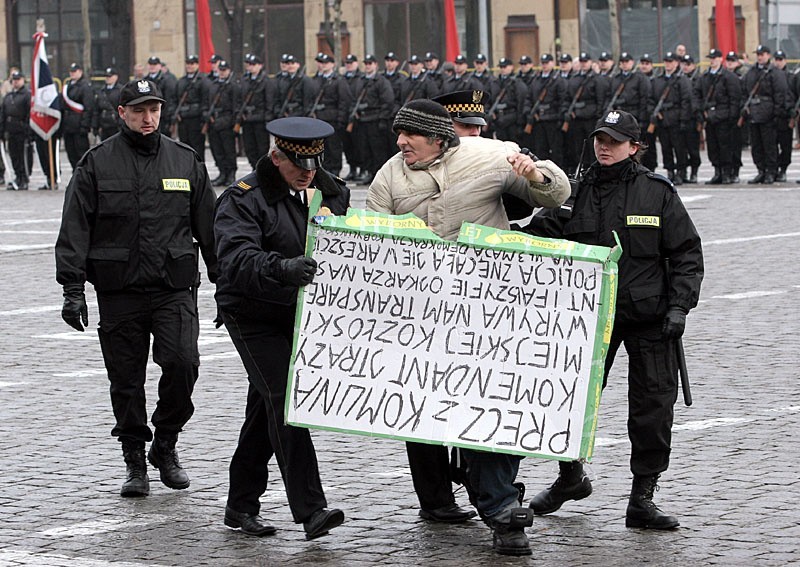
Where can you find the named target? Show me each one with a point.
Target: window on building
(403, 26)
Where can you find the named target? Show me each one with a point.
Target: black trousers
(265, 351)
(673, 152)
(430, 472)
(764, 146)
(350, 148)
(784, 141)
(579, 130)
(127, 319)
(332, 160)
(76, 145)
(650, 157)
(720, 143)
(19, 150)
(371, 143)
(691, 138)
(190, 132)
(548, 141)
(223, 148)
(652, 392)
(256, 141)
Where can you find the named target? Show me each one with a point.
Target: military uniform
(396, 80)
(167, 84)
(260, 227)
(223, 101)
(691, 136)
(332, 104)
(105, 121)
(255, 111)
(434, 75)
(351, 149)
(650, 157)
(463, 82)
(374, 112)
(586, 93)
(294, 94)
(419, 85)
(545, 107)
(191, 92)
(673, 92)
(508, 104)
(15, 128)
(784, 130)
(76, 115)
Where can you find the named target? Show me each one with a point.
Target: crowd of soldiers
(550, 110)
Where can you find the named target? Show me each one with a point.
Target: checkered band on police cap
(425, 117)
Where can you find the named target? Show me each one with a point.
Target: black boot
(757, 179)
(769, 178)
(136, 482)
(508, 531)
(735, 175)
(571, 484)
(781, 177)
(678, 179)
(726, 176)
(717, 179)
(221, 180)
(164, 457)
(692, 176)
(641, 512)
(351, 176)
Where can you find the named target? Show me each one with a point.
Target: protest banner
(493, 342)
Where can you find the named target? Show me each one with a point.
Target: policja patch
(175, 185)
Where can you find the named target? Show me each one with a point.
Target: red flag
(450, 31)
(726, 26)
(45, 104)
(204, 33)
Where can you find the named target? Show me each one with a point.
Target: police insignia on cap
(477, 96)
(612, 118)
(143, 87)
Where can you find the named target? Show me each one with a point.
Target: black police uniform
(258, 93)
(417, 86)
(674, 93)
(718, 96)
(332, 104)
(350, 148)
(783, 128)
(294, 95)
(191, 91)
(691, 136)
(106, 120)
(506, 113)
(465, 82)
(167, 84)
(15, 127)
(76, 118)
(766, 105)
(545, 107)
(374, 112)
(131, 210)
(222, 103)
(396, 81)
(653, 226)
(587, 94)
(258, 224)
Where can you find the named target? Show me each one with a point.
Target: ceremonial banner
(494, 342)
(45, 105)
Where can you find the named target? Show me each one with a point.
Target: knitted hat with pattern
(425, 117)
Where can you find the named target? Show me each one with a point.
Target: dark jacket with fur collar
(257, 224)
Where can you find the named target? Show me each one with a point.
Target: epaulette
(658, 177)
(243, 185)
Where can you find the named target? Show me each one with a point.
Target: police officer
(483, 75)
(192, 91)
(419, 83)
(586, 93)
(461, 80)
(396, 78)
(255, 111)
(671, 103)
(565, 66)
(505, 115)
(373, 106)
(331, 104)
(105, 122)
(545, 107)
(433, 70)
(221, 105)
(294, 92)
(605, 61)
(631, 90)
(767, 103)
(649, 158)
(718, 95)
(526, 72)
(133, 207)
(619, 196)
(214, 73)
(260, 226)
(15, 129)
(734, 65)
(691, 135)
(76, 114)
(167, 84)
(785, 131)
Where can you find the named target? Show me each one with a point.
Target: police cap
(323, 58)
(732, 56)
(224, 65)
(110, 72)
(467, 107)
(625, 56)
(565, 58)
(215, 58)
(288, 58)
(525, 60)
(504, 62)
(302, 139)
(780, 54)
(390, 57)
(75, 67)
(192, 59)
(687, 59)
(670, 56)
(646, 57)
(714, 53)
(17, 75)
(370, 58)
(460, 59)
(154, 60)
(351, 58)
(414, 60)
(137, 92)
(545, 57)
(253, 60)
(604, 56)
(431, 55)
(584, 56)
(480, 58)
(763, 49)
(620, 125)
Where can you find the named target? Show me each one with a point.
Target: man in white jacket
(445, 181)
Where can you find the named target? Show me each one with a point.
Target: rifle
(290, 93)
(706, 100)
(656, 115)
(240, 115)
(354, 113)
(313, 112)
(613, 101)
(746, 107)
(497, 101)
(539, 99)
(214, 103)
(413, 91)
(575, 99)
(177, 117)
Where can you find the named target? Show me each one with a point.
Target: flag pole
(52, 165)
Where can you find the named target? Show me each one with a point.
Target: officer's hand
(674, 323)
(297, 271)
(75, 311)
(218, 322)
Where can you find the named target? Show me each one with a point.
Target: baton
(684, 373)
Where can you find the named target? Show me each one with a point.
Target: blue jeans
(490, 478)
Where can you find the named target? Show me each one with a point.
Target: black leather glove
(297, 271)
(218, 322)
(674, 323)
(75, 310)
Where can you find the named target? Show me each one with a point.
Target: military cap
(192, 59)
(780, 54)
(763, 49)
(350, 58)
(215, 58)
(154, 60)
(545, 57)
(670, 56)
(253, 59)
(302, 139)
(430, 55)
(687, 59)
(604, 56)
(370, 58)
(714, 53)
(288, 58)
(504, 62)
(525, 60)
(480, 58)
(110, 72)
(565, 58)
(467, 107)
(625, 56)
(732, 56)
(323, 58)
(620, 125)
(224, 65)
(137, 92)
(584, 56)
(75, 67)
(390, 56)
(17, 75)
(414, 60)
(460, 59)
(649, 58)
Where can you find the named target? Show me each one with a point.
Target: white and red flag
(45, 104)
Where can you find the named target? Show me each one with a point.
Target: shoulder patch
(244, 185)
(662, 179)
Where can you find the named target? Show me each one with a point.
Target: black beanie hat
(427, 118)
